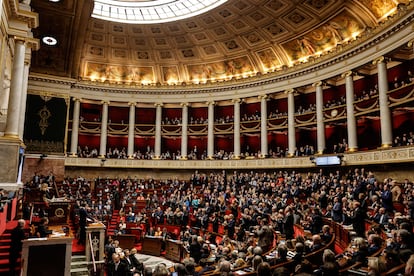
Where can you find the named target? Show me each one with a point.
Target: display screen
(328, 160)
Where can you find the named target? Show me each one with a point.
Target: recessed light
(49, 40)
(55, 1)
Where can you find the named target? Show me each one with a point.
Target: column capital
(158, 104)
(347, 74)
(132, 103)
(410, 43)
(318, 83)
(105, 102)
(378, 60)
(263, 97)
(238, 100)
(76, 99)
(210, 102)
(19, 39)
(290, 91)
(184, 104)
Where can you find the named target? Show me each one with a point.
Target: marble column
(75, 127)
(158, 119)
(131, 130)
(210, 133)
(236, 129)
(22, 116)
(291, 123)
(184, 131)
(16, 88)
(104, 129)
(263, 126)
(385, 113)
(350, 112)
(320, 126)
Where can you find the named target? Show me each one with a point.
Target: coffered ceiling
(238, 39)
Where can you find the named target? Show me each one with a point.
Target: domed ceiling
(238, 39)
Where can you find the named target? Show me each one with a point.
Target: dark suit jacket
(122, 269)
(43, 231)
(17, 235)
(358, 222)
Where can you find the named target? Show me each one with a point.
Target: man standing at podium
(17, 235)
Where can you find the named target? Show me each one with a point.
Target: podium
(95, 236)
(151, 245)
(47, 256)
(58, 212)
(174, 250)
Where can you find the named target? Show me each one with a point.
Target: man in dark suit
(116, 267)
(288, 224)
(358, 219)
(17, 235)
(337, 210)
(42, 230)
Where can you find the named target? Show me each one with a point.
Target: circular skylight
(147, 11)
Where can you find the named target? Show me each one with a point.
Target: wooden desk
(174, 250)
(126, 241)
(151, 245)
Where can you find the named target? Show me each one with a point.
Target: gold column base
(156, 157)
(352, 150)
(290, 155)
(130, 157)
(12, 136)
(183, 158)
(319, 152)
(236, 157)
(210, 157)
(73, 155)
(102, 156)
(385, 146)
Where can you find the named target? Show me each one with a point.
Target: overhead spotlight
(49, 40)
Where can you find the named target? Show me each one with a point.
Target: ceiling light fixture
(49, 40)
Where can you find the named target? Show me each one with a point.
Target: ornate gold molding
(347, 74)
(318, 83)
(378, 60)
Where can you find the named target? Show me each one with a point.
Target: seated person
(374, 243)
(326, 234)
(122, 227)
(329, 266)
(358, 252)
(316, 243)
(282, 251)
(42, 229)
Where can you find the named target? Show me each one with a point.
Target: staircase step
(5, 236)
(82, 264)
(82, 269)
(4, 248)
(78, 258)
(5, 242)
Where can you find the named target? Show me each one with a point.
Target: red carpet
(77, 249)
